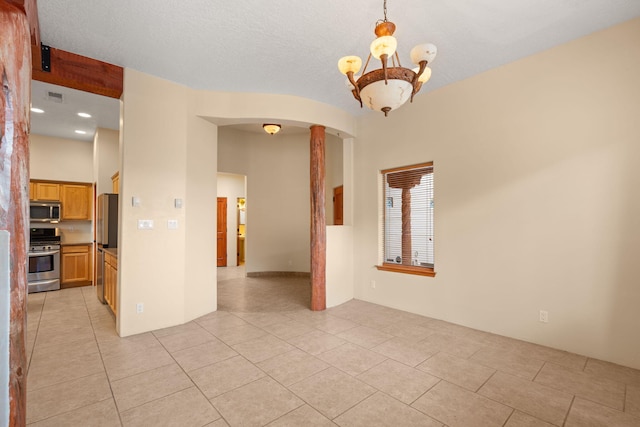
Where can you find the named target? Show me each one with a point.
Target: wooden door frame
(226, 237)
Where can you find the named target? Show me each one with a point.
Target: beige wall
(277, 170)
(278, 201)
(60, 159)
(169, 149)
(536, 198)
(106, 158)
(167, 153)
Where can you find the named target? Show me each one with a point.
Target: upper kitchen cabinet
(115, 183)
(76, 200)
(49, 191)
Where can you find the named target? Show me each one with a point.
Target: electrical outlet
(139, 308)
(544, 316)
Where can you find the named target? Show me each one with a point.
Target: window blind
(408, 216)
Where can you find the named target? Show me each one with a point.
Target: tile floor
(265, 359)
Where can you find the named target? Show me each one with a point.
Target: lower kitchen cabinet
(75, 266)
(111, 281)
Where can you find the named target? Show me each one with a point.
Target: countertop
(77, 244)
(112, 251)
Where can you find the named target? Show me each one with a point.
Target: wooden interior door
(222, 232)
(337, 206)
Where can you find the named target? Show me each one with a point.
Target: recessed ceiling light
(37, 110)
(85, 115)
(81, 132)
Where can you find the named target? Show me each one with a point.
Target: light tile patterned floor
(265, 359)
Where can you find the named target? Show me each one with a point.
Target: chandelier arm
(423, 66)
(356, 90)
(416, 84)
(397, 59)
(383, 58)
(364, 70)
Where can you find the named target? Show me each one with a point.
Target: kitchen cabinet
(75, 265)
(49, 191)
(115, 182)
(111, 280)
(76, 200)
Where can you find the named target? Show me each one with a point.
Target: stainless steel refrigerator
(106, 234)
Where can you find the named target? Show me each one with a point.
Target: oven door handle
(33, 254)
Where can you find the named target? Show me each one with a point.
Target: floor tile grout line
(513, 411)
(95, 337)
(566, 416)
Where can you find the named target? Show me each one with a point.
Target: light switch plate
(172, 224)
(135, 201)
(145, 224)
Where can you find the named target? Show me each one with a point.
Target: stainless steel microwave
(44, 212)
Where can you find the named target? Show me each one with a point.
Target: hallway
(265, 359)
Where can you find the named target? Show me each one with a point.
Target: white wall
(106, 158)
(277, 170)
(60, 159)
(231, 186)
(536, 201)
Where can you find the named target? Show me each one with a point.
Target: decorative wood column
(15, 73)
(318, 220)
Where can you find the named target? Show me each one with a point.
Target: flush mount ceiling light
(80, 132)
(37, 110)
(271, 129)
(84, 115)
(389, 87)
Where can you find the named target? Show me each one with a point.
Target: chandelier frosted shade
(385, 45)
(378, 95)
(271, 128)
(348, 64)
(423, 52)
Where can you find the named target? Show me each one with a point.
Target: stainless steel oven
(44, 260)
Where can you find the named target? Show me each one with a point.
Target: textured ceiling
(292, 46)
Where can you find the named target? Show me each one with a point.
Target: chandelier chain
(385, 10)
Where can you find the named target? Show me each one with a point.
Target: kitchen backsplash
(71, 231)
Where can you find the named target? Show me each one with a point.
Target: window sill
(407, 269)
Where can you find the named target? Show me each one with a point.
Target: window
(407, 226)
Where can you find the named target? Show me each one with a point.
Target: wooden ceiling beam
(79, 72)
(68, 69)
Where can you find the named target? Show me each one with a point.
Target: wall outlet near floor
(544, 316)
(139, 308)
(373, 284)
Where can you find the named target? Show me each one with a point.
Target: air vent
(55, 97)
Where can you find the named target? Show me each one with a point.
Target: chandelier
(387, 88)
